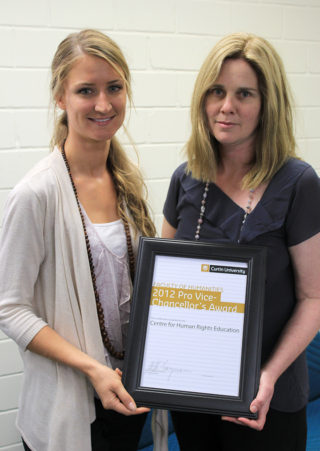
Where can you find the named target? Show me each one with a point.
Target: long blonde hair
(275, 141)
(131, 189)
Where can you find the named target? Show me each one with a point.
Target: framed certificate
(194, 339)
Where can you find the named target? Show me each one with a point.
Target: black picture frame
(253, 258)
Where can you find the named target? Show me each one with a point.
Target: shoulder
(37, 185)
(293, 175)
(177, 178)
(295, 168)
(295, 164)
(183, 178)
(180, 172)
(304, 175)
(303, 218)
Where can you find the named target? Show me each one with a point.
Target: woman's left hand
(260, 404)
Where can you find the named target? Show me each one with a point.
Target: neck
(87, 158)
(236, 161)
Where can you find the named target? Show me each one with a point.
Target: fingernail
(132, 406)
(254, 409)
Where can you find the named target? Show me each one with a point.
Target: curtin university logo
(242, 271)
(205, 268)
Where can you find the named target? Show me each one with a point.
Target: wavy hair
(130, 187)
(275, 141)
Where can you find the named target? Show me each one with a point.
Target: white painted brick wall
(145, 16)
(262, 19)
(81, 14)
(203, 17)
(25, 87)
(179, 52)
(16, 13)
(31, 50)
(301, 23)
(313, 58)
(6, 129)
(165, 43)
(31, 128)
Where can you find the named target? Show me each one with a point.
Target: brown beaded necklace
(104, 334)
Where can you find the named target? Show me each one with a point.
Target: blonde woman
(243, 183)
(67, 253)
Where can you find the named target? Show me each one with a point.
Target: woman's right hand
(107, 383)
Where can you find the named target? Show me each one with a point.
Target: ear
(61, 102)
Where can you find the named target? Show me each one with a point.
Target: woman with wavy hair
(243, 183)
(67, 256)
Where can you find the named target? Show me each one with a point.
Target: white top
(113, 236)
(108, 245)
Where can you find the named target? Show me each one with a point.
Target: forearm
(48, 343)
(299, 331)
(167, 230)
(106, 381)
(305, 320)
(297, 334)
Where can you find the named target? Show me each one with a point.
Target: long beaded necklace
(104, 334)
(202, 210)
(247, 211)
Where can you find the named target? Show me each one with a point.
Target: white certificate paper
(195, 304)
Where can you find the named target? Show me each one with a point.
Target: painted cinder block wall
(165, 43)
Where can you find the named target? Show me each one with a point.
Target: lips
(225, 124)
(101, 121)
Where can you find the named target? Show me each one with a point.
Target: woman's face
(233, 105)
(94, 99)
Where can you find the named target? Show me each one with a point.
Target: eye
(85, 91)
(216, 91)
(244, 93)
(115, 88)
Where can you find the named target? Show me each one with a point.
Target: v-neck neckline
(264, 194)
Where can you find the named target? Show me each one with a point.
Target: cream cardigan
(45, 279)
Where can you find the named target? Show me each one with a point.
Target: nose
(103, 104)
(228, 105)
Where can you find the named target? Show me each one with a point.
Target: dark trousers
(112, 431)
(25, 446)
(282, 432)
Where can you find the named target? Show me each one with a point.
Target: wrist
(269, 375)
(91, 367)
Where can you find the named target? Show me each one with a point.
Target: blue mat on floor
(146, 442)
(313, 409)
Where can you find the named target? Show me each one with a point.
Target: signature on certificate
(163, 367)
